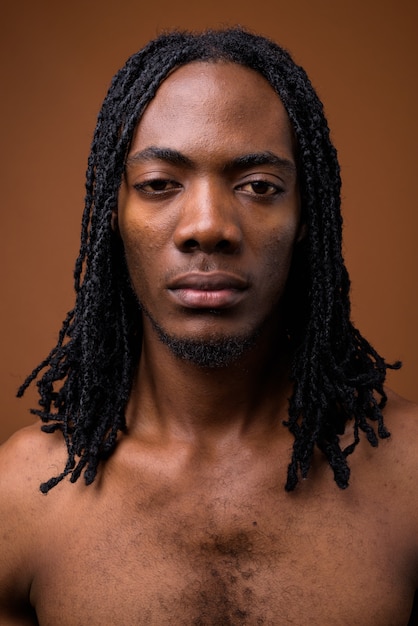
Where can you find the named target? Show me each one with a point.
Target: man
(209, 346)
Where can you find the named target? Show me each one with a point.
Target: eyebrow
(263, 158)
(175, 157)
(162, 154)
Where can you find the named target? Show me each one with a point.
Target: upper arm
(19, 523)
(402, 470)
(413, 619)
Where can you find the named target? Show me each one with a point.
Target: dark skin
(188, 521)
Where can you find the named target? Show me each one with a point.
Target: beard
(214, 352)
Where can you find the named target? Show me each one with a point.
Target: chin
(216, 350)
(214, 353)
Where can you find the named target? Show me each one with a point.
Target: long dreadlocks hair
(337, 374)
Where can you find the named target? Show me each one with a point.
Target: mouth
(208, 290)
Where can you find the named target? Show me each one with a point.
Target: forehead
(207, 104)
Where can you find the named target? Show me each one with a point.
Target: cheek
(277, 258)
(140, 238)
(141, 246)
(144, 230)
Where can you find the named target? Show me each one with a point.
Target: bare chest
(206, 560)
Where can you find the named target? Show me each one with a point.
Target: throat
(171, 392)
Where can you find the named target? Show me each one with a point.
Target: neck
(175, 397)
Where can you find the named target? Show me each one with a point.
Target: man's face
(209, 208)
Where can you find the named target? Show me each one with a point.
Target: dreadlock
(336, 373)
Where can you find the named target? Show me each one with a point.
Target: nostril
(191, 244)
(223, 245)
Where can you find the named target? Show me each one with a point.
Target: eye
(260, 188)
(156, 186)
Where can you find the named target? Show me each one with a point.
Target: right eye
(156, 186)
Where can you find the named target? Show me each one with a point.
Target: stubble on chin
(216, 352)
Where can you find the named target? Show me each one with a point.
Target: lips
(208, 290)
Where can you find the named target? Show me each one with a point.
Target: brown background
(56, 62)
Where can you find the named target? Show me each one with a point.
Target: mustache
(206, 267)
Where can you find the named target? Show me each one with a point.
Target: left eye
(260, 188)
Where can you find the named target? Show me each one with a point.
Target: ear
(302, 231)
(114, 221)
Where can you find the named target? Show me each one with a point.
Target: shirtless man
(213, 185)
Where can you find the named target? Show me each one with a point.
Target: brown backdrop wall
(57, 61)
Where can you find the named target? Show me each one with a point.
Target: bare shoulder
(26, 459)
(401, 419)
(399, 406)
(390, 470)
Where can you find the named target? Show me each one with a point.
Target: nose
(208, 221)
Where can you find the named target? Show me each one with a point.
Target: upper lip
(208, 281)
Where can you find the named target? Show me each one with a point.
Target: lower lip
(207, 299)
